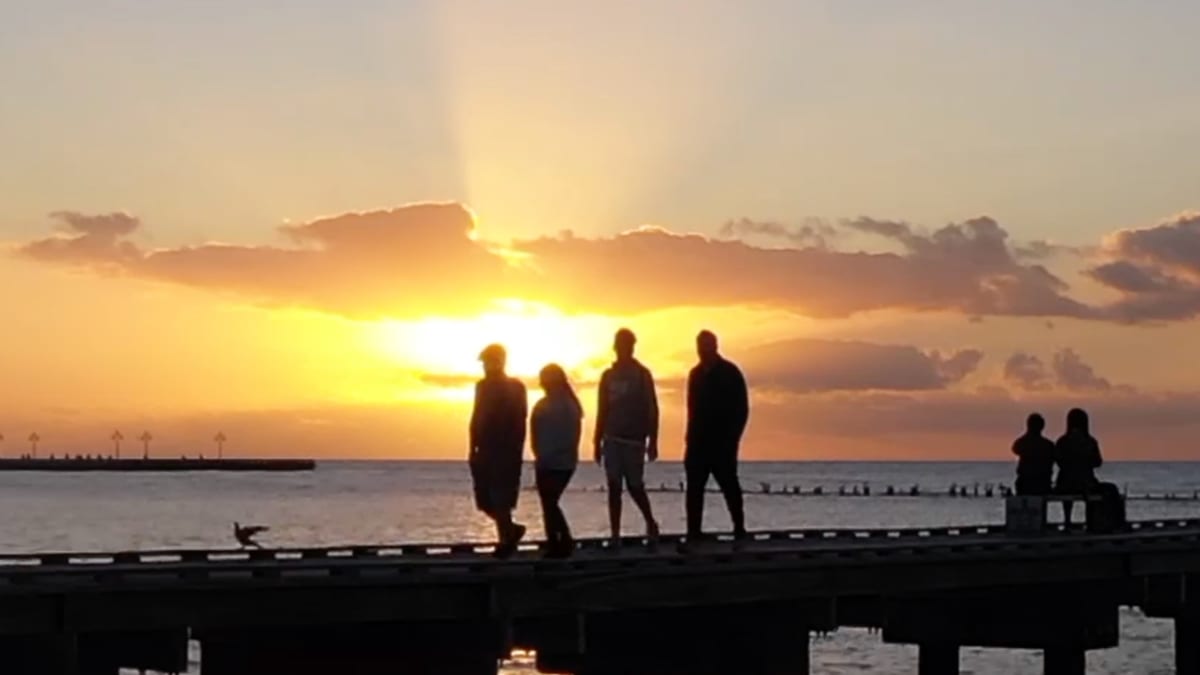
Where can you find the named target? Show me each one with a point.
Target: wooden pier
(451, 608)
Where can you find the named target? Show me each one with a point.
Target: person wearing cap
(718, 408)
(626, 432)
(497, 440)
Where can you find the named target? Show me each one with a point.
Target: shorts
(496, 485)
(624, 461)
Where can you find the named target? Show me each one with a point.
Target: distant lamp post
(145, 438)
(1, 439)
(33, 443)
(117, 437)
(220, 441)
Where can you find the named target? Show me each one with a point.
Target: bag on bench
(1106, 514)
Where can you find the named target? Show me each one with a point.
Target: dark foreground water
(348, 502)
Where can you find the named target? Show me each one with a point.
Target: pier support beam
(693, 641)
(1064, 661)
(938, 659)
(434, 648)
(1187, 643)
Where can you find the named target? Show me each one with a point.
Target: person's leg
(612, 472)
(696, 470)
(556, 485)
(1068, 507)
(545, 489)
(725, 470)
(564, 529)
(635, 479)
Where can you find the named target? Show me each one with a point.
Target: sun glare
(533, 334)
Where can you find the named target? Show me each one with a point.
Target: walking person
(1077, 454)
(497, 441)
(554, 434)
(1035, 458)
(627, 433)
(718, 407)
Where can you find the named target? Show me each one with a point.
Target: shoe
(740, 539)
(614, 544)
(652, 535)
(518, 533)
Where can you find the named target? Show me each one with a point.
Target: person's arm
(739, 403)
(1016, 448)
(1098, 460)
(538, 411)
(689, 432)
(601, 415)
(473, 432)
(652, 401)
(522, 414)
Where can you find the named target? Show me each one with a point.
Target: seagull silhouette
(245, 534)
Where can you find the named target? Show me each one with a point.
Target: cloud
(805, 365)
(812, 233)
(1074, 375)
(1026, 372)
(94, 241)
(1067, 371)
(964, 268)
(399, 262)
(426, 258)
(1155, 270)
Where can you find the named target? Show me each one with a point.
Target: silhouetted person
(718, 407)
(1078, 456)
(626, 432)
(554, 429)
(1035, 458)
(497, 441)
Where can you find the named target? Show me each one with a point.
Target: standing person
(627, 432)
(497, 442)
(554, 432)
(1035, 458)
(1078, 456)
(718, 407)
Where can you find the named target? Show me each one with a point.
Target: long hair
(1077, 420)
(554, 379)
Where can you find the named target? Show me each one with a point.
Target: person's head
(623, 343)
(493, 358)
(1077, 420)
(1035, 424)
(706, 346)
(553, 378)
(555, 383)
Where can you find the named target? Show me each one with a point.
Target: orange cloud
(424, 259)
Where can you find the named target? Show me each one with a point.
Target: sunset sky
(911, 223)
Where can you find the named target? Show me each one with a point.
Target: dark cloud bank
(423, 258)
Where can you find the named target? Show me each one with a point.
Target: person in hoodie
(554, 430)
(626, 435)
(718, 408)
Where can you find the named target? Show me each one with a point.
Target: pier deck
(452, 608)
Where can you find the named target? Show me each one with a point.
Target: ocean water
(393, 502)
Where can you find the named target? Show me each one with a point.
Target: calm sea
(391, 502)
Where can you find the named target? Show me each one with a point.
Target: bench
(1026, 514)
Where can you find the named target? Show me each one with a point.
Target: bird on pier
(245, 534)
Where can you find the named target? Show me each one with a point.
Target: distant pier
(156, 465)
